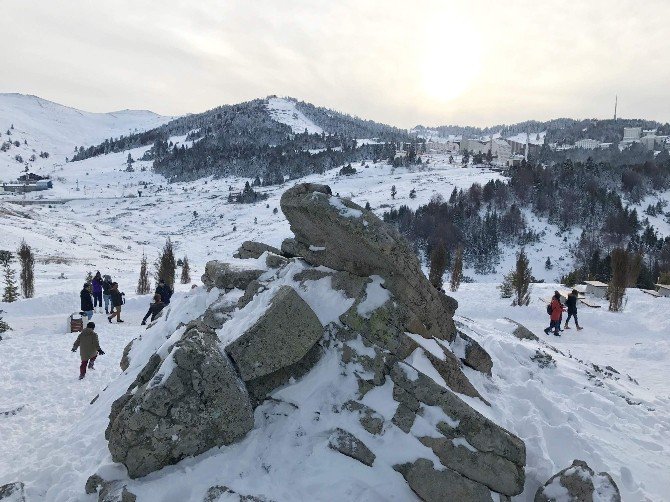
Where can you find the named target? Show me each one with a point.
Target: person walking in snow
(86, 301)
(164, 290)
(97, 291)
(117, 301)
(154, 309)
(89, 348)
(571, 304)
(556, 309)
(106, 287)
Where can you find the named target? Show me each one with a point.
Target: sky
(430, 62)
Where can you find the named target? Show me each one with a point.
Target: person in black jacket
(164, 290)
(117, 301)
(154, 309)
(87, 301)
(106, 287)
(571, 303)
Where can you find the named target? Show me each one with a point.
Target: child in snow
(154, 309)
(86, 301)
(89, 348)
(97, 291)
(117, 301)
(164, 290)
(555, 317)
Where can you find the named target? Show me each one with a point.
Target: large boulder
(182, 406)
(287, 333)
(227, 276)
(252, 249)
(348, 444)
(341, 235)
(579, 483)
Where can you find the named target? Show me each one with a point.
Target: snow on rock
(375, 296)
(284, 111)
(579, 482)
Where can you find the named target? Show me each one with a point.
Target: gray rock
(480, 432)
(281, 337)
(273, 260)
(228, 276)
(216, 315)
(432, 485)
(252, 249)
(13, 492)
(369, 419)
(475, 355)
(349, 445)
(521, 332)
(176, 415)
(252, 289)
(109, 491)
(93, 483)
(450, 370)
(496, 472)
(357, 241)
(125, 357)
(404, 418)
(221, 492)
(581, 484)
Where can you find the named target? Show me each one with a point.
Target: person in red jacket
(557, 310)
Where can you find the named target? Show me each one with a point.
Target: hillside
(40, 126)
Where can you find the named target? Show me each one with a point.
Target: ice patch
(317, 248)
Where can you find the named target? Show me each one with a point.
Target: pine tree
(393, 192)
(438, 264)
(3, 325)
(185, 272)
(412, 193)
(27, 260)
(89, 277)
(617, 286)
(166, 265)
(547, 264)
(143, 284)
(516, 284)
(11, 291)
(457, 270)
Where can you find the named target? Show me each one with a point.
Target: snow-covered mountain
(40, 125)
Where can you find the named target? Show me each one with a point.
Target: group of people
(555, 310)
(102, 288)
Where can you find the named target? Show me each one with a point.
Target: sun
(451, 61)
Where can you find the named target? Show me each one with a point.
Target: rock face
(341, 235)
(227, 276)
(251, 249)
(13, 492)
(579, 483)
(281, 337)
(349, 445)
(178, 406)
(109, 491)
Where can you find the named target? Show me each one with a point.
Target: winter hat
(107, 277)
(90, 325)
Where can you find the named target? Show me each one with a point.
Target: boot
(579, 328)
(90, 365)
(119, 320)
(81, 377)
(546, 331)
(110, 320)
(566, 326)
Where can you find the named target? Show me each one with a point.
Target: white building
(588, 144)
(632, 134)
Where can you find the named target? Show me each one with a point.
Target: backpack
(549, 309)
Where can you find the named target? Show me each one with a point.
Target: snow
(617, 422)
(375, 296)
(421, 363)
(284, 111)
(344, 210)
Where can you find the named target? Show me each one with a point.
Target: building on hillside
(632, 134)
(587, 144)
(651, 141)
(474, 146)
(29, 186)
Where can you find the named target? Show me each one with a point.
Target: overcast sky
(471, 62)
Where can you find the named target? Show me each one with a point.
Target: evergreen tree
(185, 271)
(616, 289)
(457, 270)
(11, 291)
(412, 193)
(89, 277)
(547, 264)
(27, 260)
(438, 264)
(166, 265)
(393, 192)
(3, 325)
(516, 284)
(143, 284)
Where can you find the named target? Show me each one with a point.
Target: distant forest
(590, 196)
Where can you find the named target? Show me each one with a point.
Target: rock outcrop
(109, 491)
(252, 249)
(341, 235)
(579, 483)
(175, 407)
(387, 332)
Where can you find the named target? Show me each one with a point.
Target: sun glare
(451, 59)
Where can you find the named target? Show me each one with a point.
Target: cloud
(428, 61)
